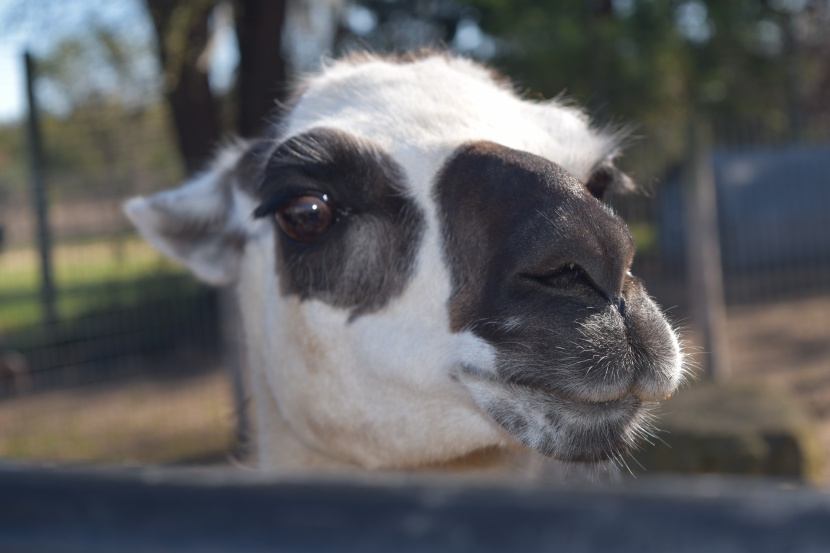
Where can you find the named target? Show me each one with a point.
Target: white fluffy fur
(379, 391)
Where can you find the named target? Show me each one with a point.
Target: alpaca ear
(196, 223)
(606, 178)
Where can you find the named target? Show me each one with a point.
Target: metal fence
(773, 198)
(110, 352)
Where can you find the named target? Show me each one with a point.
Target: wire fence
(133, 366)
(124, 360)
(773, 198)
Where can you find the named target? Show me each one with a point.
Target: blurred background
(110, 353)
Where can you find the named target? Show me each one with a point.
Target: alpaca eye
(305, 218)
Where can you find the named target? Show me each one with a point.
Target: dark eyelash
(273, 203)
(275, 195)
(268, 207)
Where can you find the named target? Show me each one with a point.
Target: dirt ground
(785, 344)
(185, 419)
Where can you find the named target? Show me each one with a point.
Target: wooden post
(703, 255)
(39, 202)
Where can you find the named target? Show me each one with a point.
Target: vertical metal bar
(703, 255)
(39, 202)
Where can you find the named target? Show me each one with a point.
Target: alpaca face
(424, 269)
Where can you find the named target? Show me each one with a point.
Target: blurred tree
(400, 25)
(92, 106)
(653, 62)
(262, 69)
(626, 58)
(659, 63)
(814, 25)
(104, 129)
(181, 38)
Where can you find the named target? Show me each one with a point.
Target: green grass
(106, 288)
(645, 237)
(87, 276)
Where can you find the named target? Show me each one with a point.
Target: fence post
(703, 254)
(39, 202)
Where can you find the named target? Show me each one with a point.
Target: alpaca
(425, 268)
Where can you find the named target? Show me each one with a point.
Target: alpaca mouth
(580, 407)
(571, 398)
(573, 429)
(557, 424)
(608, 400)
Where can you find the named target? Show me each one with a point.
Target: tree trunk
(182, 35)
(261, 78)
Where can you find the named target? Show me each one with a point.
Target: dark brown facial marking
(347, 234)
(515, 222)
(539, 270)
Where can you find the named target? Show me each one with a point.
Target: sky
(11, 84)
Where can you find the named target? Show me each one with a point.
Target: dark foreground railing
(55, 510)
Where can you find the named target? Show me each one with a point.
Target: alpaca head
(425, 268)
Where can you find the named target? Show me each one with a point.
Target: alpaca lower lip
(574, 402)
(622, 401)
(564, 395)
